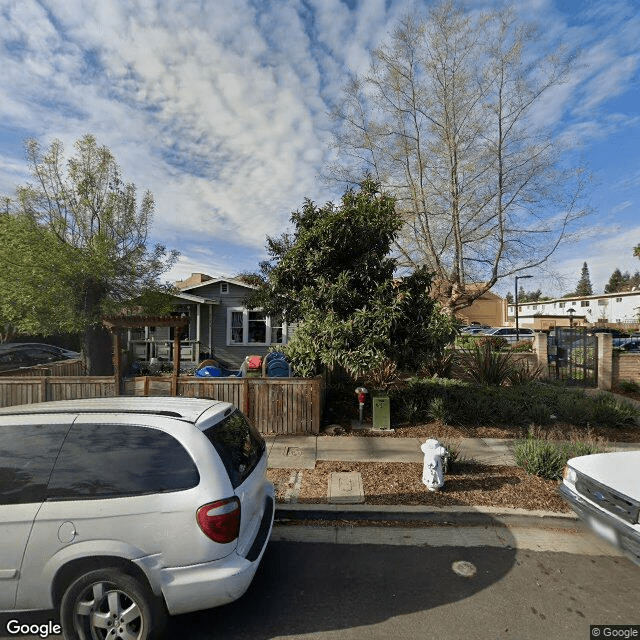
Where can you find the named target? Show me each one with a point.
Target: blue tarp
(216, 372)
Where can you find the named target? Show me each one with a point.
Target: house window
(246, 326)
(561, 305)
(618, 300)
(236, 326)
(584, 303)
(602, 303)
(224, 287)
(257, 327)
(277, 332)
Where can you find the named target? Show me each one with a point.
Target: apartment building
(606, 308)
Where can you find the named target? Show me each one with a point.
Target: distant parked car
(510, 335)
(604, 490)
(17, 355)
(474, 329)
(627, 344)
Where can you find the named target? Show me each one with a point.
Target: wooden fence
(62, 368)
(29, 389)
(274, 405)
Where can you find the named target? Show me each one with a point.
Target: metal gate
(573, 356)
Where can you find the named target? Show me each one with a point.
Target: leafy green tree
(584, 287)
(334, 276)
(73, 246)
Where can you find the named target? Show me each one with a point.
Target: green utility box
(381, 412)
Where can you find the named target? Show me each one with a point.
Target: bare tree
(445, 120)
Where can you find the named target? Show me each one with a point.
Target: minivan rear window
(239, 445)
(114, 460)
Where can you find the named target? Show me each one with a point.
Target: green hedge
(466, 403)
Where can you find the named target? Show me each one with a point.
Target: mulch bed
(468, 484)
(391, 483)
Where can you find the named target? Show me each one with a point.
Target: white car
(510, 334)
(604, 490)
(117, 511)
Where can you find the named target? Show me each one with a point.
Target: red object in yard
(255, 362)
(361, 398)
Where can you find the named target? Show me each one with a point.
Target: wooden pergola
(114, 324)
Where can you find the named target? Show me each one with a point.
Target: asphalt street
(489, 581)
(359, 589)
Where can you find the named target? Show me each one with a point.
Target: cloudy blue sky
(220, 108)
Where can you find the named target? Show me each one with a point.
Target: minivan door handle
(8, 574)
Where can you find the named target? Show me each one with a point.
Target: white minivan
(117, 511)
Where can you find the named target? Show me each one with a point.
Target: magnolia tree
(333, 276)
(73, 246)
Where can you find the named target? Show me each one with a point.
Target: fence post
(605, 361)
(245, 396)
(540, 349)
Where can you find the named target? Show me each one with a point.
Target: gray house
(219, 325)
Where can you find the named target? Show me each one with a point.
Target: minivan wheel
(109, 604)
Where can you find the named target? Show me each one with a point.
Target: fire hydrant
(434, 460)
(361, 393)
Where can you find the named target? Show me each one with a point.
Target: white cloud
(221, 108)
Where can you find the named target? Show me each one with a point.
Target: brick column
(540, 349)
(605, 361)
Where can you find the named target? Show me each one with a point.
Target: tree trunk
(96, 342)
(96, 345)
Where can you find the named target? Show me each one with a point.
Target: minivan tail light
(220, 520)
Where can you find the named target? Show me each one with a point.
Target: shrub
(608, 411)
(461, 402)
(438, 410)
(440, 365)
(485, 365)
(523, 346)
(454, 459)
(497, 343)
(524, 372)
(547, 459)
(538, 413)
(540, 458)
(628, 386)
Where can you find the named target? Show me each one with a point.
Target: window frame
(245, 329)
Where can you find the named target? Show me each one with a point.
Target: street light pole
(515, 301)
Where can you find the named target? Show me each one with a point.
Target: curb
(456, 516)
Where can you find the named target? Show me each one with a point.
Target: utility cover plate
(346, 488)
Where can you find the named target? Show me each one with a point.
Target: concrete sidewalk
(302, 452)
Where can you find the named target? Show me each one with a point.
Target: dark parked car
(627, 344)
(17, 355)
